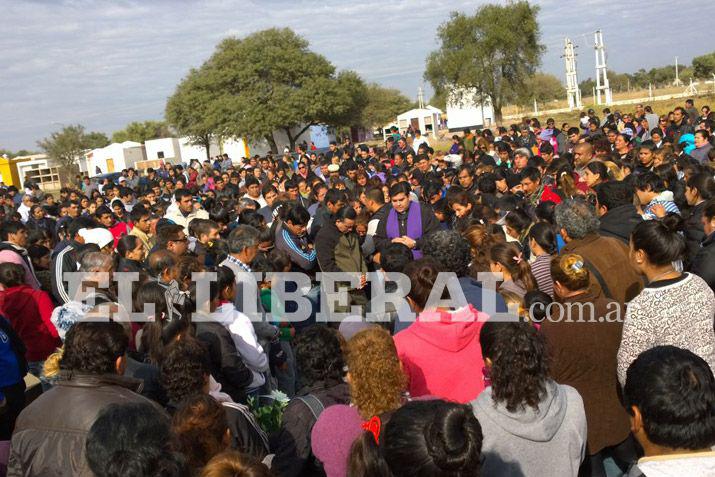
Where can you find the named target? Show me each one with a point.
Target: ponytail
(365, 458)
(510, 257)
(567, 184)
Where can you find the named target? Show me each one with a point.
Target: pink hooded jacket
(441, 355)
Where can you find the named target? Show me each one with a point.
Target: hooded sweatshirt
(29, 311)
(441, 355)
(543, 442)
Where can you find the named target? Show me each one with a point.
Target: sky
(104, 64)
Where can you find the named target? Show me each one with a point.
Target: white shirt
(261, 201)
(245, 339)
(24, 212)
(418, 141)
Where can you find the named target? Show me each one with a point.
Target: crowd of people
(596, 240)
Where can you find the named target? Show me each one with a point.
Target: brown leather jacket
(583, 338)
(50, 434)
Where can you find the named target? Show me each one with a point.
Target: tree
(95, 140)
(10, 154)
(704, 66)
(543, 87)
(267, 81)
(383, 105)
(439, 99)
(68, 145)
(492, 52)
(191, 109)
(142, 132)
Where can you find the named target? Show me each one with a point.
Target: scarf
(414, 226)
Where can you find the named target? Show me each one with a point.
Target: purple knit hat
(333, 436)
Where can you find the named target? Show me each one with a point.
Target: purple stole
(414, 225)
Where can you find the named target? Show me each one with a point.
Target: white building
(167, 149)
(40, 168)
(465, 110)
(113, 158)
(425, 119)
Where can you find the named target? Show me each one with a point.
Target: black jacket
(226, 364)
(694, 233)
(247, 437)
(64, 261)
(127, 265)
(338, 252)
(429, 225)
(620, 222)
(704, 262)
(291, 443)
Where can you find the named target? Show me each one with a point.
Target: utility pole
(602, 85)
(677, 81)
(573, 93)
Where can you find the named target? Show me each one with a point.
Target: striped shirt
(665, 199)
(541, 268)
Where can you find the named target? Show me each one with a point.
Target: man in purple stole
(406, 223)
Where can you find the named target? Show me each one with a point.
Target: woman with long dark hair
(131, 253)
(423, 438)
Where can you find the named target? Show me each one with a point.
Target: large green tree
(493, 52)
(383, 105)
(68, 145)
(141, 132)
(191, 109)
(267, 81)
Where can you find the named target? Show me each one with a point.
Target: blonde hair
(570, 270)
(511, 298)
(614, 172)
(51, 368)
(234, 464)
(377, 381)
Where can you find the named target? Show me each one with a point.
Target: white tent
(425, 119)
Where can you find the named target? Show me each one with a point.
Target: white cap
(99, 236)
(333, 168)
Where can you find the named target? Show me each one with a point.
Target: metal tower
(573, 93)
(602, 85)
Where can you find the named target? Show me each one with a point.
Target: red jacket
(550, 195)
(119, 230)
(28, 311)
(441, 355)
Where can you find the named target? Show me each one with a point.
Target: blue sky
(104, 64)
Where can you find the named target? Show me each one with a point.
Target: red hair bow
(373, 426)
